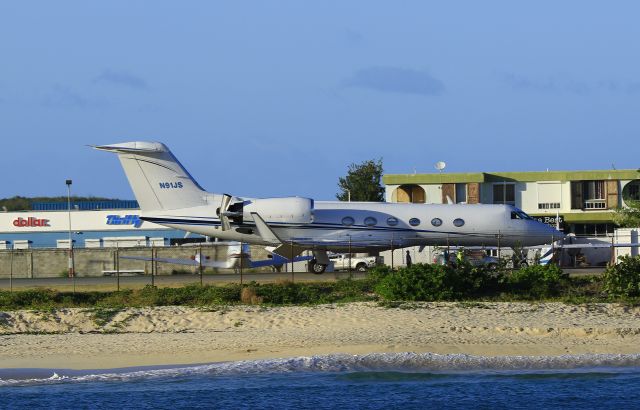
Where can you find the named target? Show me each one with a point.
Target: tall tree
(628, 217)
(363, 182)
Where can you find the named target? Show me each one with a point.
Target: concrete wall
(39, 263)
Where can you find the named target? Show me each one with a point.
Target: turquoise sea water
(379, 381)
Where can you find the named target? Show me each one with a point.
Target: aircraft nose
(553, 233)
(545, 233)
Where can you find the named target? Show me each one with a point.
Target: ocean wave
(342, 363)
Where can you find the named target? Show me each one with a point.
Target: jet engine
(290, 210)
(285, 210)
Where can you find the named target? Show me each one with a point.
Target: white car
(358, 263)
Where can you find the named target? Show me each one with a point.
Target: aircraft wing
(276, 260)
(598, 245)
(176, 261)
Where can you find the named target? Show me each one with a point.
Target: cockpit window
(518, 214)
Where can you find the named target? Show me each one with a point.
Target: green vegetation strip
(465, 283)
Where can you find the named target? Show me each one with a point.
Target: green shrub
(289, 293)
(623, 279)
(537, 280)
(32, 298)
(378, 273)
(192, 295)
(426, 282)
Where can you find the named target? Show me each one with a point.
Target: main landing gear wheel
(315, 267)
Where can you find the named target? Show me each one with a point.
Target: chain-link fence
(225, 262)
(126, 267)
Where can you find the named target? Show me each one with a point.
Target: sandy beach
(71, 338)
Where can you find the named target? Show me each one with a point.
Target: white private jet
(168, 195)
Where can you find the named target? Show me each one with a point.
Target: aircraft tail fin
(158, 180)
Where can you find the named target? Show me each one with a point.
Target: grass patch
(104, 316)
(209, 297)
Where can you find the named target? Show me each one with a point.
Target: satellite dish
(440, 165)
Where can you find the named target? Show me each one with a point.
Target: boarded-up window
(473, 193)
(409, 193)
(612, 194)
(448, 193)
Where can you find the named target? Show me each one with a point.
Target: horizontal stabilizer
(133, 147)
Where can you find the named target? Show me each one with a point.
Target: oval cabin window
(370, 221)
(347, 220)
(436, 222)
(414, 222)
(392, 221)
(458, 222)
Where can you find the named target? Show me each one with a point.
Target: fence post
(241, 259)
(200, 263)
(446, 260)
(73, 268)
(291, 250)
(392, 251)
(349, 256)
(11, 272)
(117, 268)
(292, 275)
(153, 265)
(613, 251)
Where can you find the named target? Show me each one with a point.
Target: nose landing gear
(315, 267)
(319, 262)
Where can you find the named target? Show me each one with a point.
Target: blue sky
(277, 98)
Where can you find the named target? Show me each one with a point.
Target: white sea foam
(402, 362)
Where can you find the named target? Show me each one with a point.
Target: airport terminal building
(92, 224)
(582, 201)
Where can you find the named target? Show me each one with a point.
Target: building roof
(531, 176)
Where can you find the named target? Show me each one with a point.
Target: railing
(595, 204)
